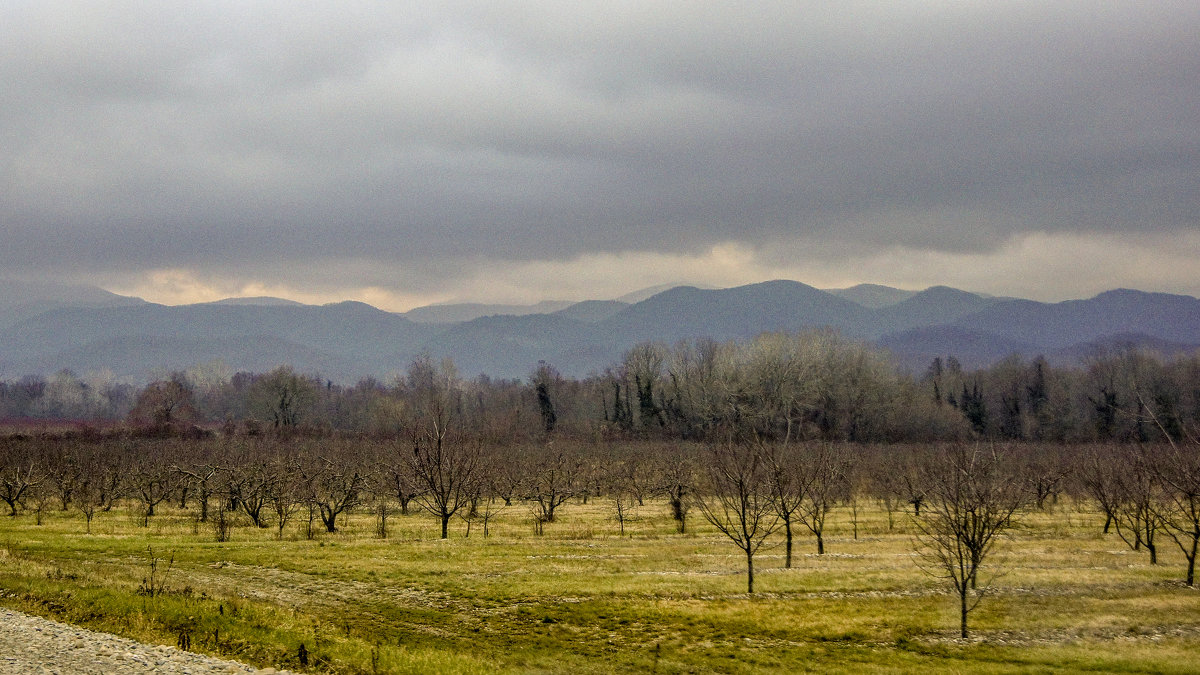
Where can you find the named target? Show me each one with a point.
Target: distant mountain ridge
(466, 311)
(872, 296)
(23, 299)
(348, 340)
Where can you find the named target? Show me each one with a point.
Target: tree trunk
(749, 572)
(1191, 558)
(445, 524)
(962, 597)
(787, 528)
(820, 544)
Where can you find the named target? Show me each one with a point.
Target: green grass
(582, 599)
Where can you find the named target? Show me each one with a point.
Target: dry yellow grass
(581, 598)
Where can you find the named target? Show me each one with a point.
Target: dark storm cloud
(228, 136)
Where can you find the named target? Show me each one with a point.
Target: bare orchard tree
(398, 479)
(1045, 470)
(152, 479)
(636, 473)
(88, 496)
(1099, 473)
(380, 500)
(440, 457)
(736, 498)
(285, 492)
(676, 471)
(1179, 509)
(496, 485)
(882, 479)
(505, 472)
(823, 474)
(112, 480)
(62, 469)
(445, 468)
(250, 483)
(201, 476)
(789, 486)
(553, 478)
(1178, 473)
(972, 495)
(18, 476)
(333, 487)
(1137, 516)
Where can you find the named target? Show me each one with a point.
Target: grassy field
(581, 598)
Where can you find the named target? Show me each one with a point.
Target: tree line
(814, 385)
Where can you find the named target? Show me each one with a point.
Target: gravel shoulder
(31, 644)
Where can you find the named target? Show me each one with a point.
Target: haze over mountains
(46, 328)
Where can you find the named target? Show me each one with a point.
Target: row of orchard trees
(268, 480)
(809, 385)
(963, 497)
(960, 497)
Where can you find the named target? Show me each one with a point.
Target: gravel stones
(30, 644)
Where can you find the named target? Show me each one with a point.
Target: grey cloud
(229, 134)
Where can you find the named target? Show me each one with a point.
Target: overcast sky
(408, 153)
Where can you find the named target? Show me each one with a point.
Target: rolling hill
(348, 340)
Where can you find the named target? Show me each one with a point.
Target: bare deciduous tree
(736, 498)
(972, 497)
(18, 476)
(283, 396)
(285, 492)
(1136, 515)
(152, 478)
(443, 460)
(1179, 475)
(333, 487)
(201, 477)
(400, 482)
(1178, 470)
(822, 472)
(553, 476)
(1099, 475)
(445, 467)
(676, 478)
(788, 490)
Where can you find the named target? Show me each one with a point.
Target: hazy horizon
(631, 298)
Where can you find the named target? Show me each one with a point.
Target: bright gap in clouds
(1040, 266)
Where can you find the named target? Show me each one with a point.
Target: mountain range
(45, 328)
